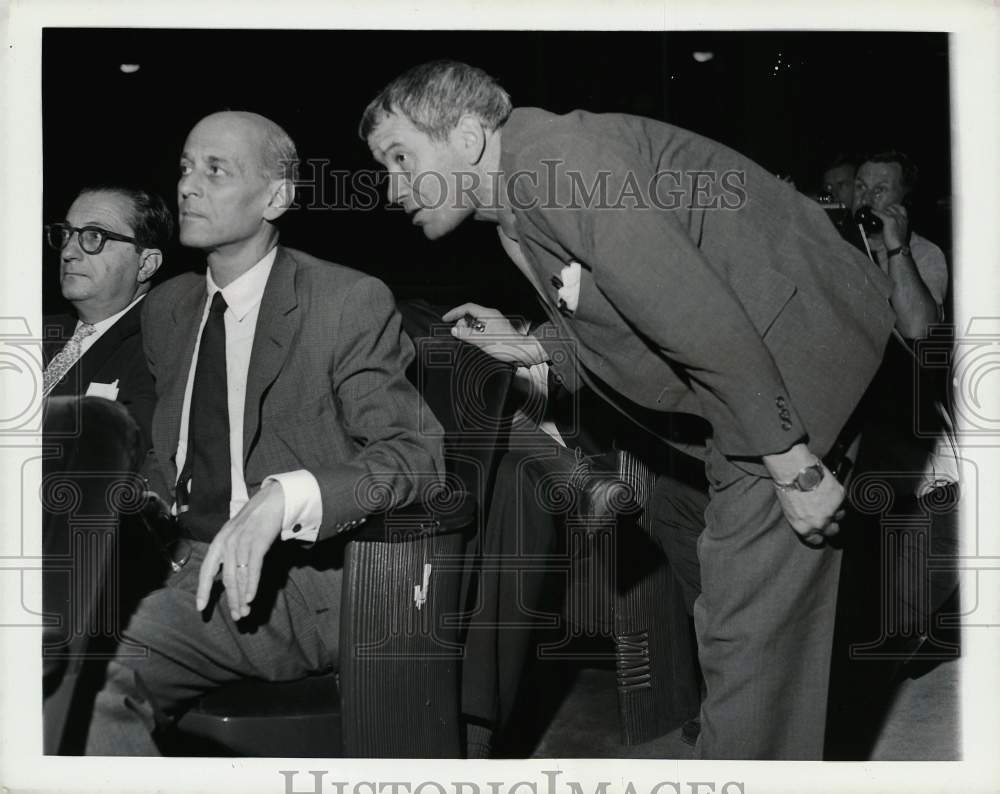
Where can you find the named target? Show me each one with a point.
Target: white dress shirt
(303, 503)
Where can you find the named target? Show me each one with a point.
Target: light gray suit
(326, 392)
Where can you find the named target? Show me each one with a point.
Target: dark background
(790, 100)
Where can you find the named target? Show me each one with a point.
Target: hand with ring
(246, 536)
(490, 331)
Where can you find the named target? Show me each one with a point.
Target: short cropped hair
(151, 221)
(278, 155)
(435, 95)
(908, 177)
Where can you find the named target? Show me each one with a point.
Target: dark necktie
(205, 485)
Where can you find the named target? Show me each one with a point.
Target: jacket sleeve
(646, 264)
(400, 442)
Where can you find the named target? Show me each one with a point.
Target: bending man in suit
(110, 246)
(282, 408)
(687, 279)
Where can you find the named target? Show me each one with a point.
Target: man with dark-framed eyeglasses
(110, 245)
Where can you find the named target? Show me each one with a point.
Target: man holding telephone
(917, 267)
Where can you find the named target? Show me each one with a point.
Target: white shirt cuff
(303, 505)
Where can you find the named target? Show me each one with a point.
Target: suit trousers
(524, 532)
(764, 622)
(172, 654)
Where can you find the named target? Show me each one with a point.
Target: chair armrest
(451, 514)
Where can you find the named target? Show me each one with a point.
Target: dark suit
(116, 355)
(326, 392)
(736, 302)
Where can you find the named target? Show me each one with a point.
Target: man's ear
(470, 135)
(149, 262)
(282, 196)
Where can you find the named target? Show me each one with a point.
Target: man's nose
(72, 249)
(398, 187)
(187, 185)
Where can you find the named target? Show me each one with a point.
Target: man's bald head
(277, 156)
(275, 151)
(237, 178)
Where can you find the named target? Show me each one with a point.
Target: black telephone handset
(868, 219)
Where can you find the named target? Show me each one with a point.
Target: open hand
(239, 549)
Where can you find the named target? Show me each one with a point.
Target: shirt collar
(246, 291)
(103, 325)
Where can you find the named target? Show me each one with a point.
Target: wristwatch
(902, 249)
(806, 480)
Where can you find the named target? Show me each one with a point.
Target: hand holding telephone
(868, 220)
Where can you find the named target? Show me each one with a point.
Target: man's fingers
(459, 312)
(252, 579)
(229, 579)
(206, 576)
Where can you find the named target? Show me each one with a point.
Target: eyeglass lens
(91, 240)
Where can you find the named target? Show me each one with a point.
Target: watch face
(810, 478)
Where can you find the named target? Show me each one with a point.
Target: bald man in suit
(283, 418)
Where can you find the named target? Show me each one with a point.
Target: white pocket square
(569, 292)
(109, 391)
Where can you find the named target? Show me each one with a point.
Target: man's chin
(193, 240)
(437, 228)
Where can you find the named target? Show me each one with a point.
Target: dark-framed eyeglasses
(92, 238)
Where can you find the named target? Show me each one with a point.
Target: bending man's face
(429, 179)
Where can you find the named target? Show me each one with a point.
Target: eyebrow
(386, 149)
(215, 160)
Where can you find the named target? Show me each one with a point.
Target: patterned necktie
(63, 361)
(205, 483)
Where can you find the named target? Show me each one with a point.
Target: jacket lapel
(276, 325)
(90, 363)
(185, 318)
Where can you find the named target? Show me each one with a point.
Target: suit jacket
(726, 295)
(326, 389)
(117, 355)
